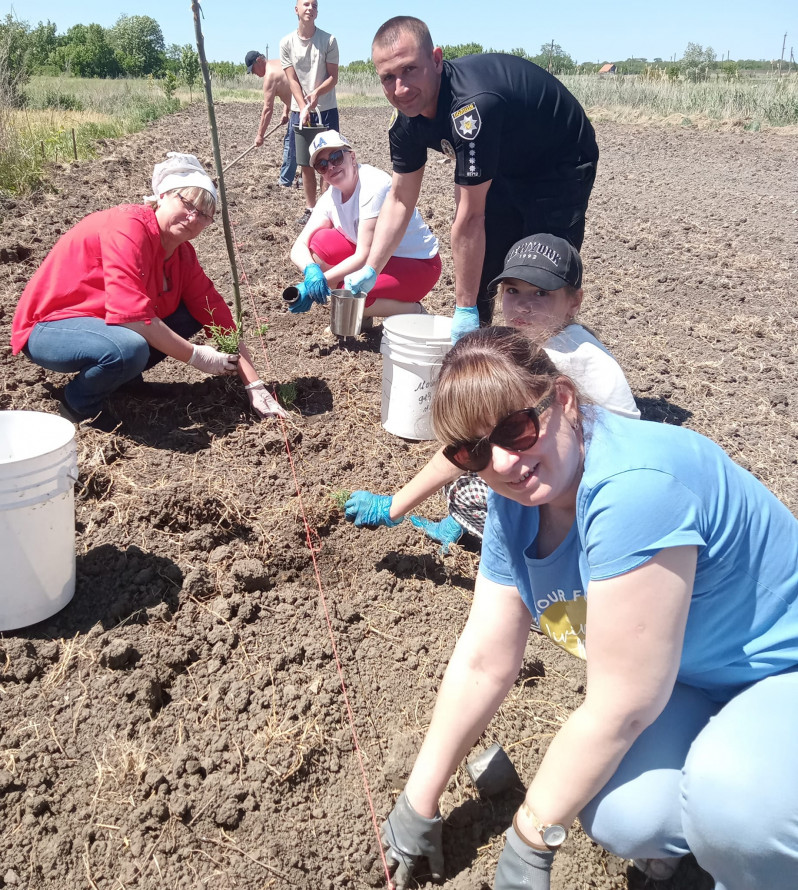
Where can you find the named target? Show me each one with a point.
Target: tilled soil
(182, 722)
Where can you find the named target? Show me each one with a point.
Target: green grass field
(65, 116)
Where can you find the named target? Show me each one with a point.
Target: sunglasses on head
(333, 160)
(518, 431)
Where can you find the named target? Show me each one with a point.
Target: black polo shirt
(497, 116)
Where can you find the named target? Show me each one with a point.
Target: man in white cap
(123, 289)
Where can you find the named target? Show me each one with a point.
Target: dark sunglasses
(517, 432)
(334, 160)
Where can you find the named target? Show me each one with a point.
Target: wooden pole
(783, 45)
(74, 144)
(217, 157)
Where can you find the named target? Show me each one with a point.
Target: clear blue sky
(588, 31)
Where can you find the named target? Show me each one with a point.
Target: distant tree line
(133, 47)
(696, 64)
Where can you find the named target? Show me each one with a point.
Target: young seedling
(287, 393)
(339, 498)
(260, 331)
(226, 339)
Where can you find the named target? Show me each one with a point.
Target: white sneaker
(658, 869)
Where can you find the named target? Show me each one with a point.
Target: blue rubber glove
(465, 320)
(447, 532)
(362, 281)
(316, 284)
(304, 302)
(365, 508)
(522, 867)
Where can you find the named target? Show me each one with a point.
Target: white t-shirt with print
(418, 242)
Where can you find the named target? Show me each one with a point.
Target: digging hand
(447, 532)
(362, 281)
(262, 402)
(365, 508)
(522, 867)
(304, 302)
(209, 360)
(465, 320)
(316, 284)
(407, 837)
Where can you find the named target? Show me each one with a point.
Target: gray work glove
(211, 361)
(407, 837)
(522, 867)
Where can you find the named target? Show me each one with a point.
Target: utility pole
(783, 45)
(267, 52)
(551, 53)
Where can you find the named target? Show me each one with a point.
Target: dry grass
(120, 765)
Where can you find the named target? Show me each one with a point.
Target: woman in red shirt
(123, 289)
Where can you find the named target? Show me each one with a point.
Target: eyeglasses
(518, 431)
(334, 160)
(193, 212)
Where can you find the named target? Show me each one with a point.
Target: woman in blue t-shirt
(645, 549)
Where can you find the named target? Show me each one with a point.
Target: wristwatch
(553, 834)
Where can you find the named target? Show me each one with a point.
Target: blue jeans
(719, 780)
(288, 170)
(104, 355)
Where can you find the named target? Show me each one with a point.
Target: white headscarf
(177, 172)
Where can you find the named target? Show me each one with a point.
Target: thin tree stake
(217, 157)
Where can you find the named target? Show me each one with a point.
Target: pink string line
(310, 533)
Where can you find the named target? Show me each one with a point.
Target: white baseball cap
(327, 139)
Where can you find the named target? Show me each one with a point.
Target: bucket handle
(310, 117)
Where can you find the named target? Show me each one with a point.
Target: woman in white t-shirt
(338, 235)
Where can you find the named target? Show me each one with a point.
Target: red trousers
(402, 279)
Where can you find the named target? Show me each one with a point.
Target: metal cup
(346, 312)
(492, 771)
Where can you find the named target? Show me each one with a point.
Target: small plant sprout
(261, 330)
(287, 393)
(226, 339)
(339, 498)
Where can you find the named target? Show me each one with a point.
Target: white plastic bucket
(38, 471)
(413, 347)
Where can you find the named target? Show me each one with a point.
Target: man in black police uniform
(524, 154)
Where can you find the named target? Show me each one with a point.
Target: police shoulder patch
(394, 118)
(467, 121)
